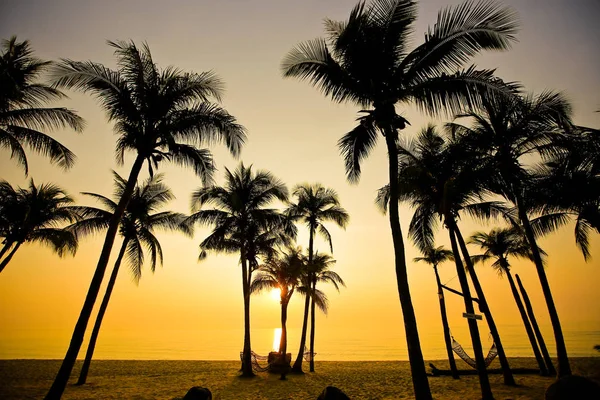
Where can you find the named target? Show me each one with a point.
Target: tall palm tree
(137, 228)
(435, 256)
(440, 181)
(34, 215)
(366, 61)
(498, 245)
(506, 132)
(282, 272)
(314, 205)
(243, 224)
(23, 116)
(161, 115)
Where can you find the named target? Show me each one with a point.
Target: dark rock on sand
(332, 393)
(198, 393)
(573, 387)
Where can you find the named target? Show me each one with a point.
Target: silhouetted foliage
(35, 215)
(23, 116)
(243, 224)
(365, 60)
(162, 115)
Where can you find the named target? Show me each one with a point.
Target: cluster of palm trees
(505, 155)
(162, 116)
(243, 224)
(481, 169)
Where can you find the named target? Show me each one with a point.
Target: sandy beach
(30, 379)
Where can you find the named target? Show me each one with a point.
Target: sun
(276, 294)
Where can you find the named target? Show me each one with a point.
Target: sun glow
(276, 294)
(276, 339)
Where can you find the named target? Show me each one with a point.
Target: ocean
(331, 344)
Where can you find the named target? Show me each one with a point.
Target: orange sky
(292, 131)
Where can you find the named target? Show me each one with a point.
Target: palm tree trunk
(484, 382)
(536, 328)
(283, 342)
(313, 287)
(5, 248)
(564, 368)
(283, 339)
(483, 305)
(415, 355)
(60, 382)
(445, 325)
(246, 358)
(309, 298)
(297, 368)
(528, 329)
(10, 255)
(92, 345)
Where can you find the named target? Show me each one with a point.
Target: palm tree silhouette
(243, 224)
(498, 245)
(23, 116)
(505, 132)
(366, 61)
(440, 181)
(315, 205)
(34, 214)
(137, 227)
(435, 256)
(162, 115)
(568, 185)
(283, 272)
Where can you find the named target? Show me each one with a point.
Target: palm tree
(23, 116)
(137, 229)
(498, 245)
(283, 273)
(441, 181)
(568, 186)
(162, 115)
(506, 132)
(435, 256)
(366, 61)
(34, 215)
(242, 224)
(315, 205)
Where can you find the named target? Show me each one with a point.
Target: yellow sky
(292, 131)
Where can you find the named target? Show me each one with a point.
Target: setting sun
(276, 294)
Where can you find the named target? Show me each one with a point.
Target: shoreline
(170, 379)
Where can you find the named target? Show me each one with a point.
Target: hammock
(307, 354)
(255, 358)
(458, 349)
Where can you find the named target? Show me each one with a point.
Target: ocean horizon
(331, 345)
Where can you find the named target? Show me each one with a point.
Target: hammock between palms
(256, 359)
(458, 349)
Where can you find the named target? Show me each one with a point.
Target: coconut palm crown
(23, 115)
(35, 214)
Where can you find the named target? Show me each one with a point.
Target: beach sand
(30, 379)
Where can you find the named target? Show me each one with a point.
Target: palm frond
(312, 61)
(61, 240)
(356, 145)
(460, 33)
(44, 145)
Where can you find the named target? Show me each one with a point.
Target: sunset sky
(292, 132)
